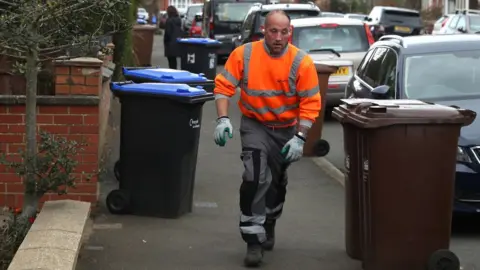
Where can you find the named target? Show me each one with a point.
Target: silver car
(339, 41)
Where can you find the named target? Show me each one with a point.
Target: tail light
(192, 27)
(329, 25)
(210, 27)
(370, 38)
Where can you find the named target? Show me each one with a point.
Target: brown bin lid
(144, 27)
(370, 113)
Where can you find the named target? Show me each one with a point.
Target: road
(466, 237)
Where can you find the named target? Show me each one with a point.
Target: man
(278, 86)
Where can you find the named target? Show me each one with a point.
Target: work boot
(254, 255)
(270, 231)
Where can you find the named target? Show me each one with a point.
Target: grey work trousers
(264, 180)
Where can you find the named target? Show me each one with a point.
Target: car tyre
(443, 259)
(118, 202)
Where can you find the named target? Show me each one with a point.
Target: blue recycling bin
(159, 137)
(166, 75)
(200, 55)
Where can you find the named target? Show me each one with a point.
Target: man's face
(277, 33)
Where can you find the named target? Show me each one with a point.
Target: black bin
(166, 75)
(159, 136)
(200, 55)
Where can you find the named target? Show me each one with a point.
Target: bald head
(277, 31)
(276, 16)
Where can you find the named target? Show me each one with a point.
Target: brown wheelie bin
(315, 146)
(143, 35)
(353, 183)
(408, 157)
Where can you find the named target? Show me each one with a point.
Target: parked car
(348, 39)
(222, 20)
(361, 17)
(196, 27)
(252, 26)
(441, 23)
(192, 11)
(332, 15)
(443, 69)
(392, 20)
(142, 14)
(463, 22)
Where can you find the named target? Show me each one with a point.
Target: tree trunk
(30, 203)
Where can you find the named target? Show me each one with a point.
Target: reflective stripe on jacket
(275, 90)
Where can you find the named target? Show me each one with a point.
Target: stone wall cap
(80, 61)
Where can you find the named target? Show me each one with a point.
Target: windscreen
(193, 10)
(332, 15)
(341, 38)
(357, 16)
(231, 12)
(474, 23)
(442, 76)
(294, 14)
(401, 16)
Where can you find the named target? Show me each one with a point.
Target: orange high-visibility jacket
(275, 90)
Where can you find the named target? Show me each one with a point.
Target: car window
(361, 67)
(231, 12)
(388, 72)
(461, 23)
(453, 22)
(193, 10)
(372, 71)
(342, 38)
(440, 20)
(247, 24)
(393, 16)
(442, 75)
(474, 23)
(294, 14)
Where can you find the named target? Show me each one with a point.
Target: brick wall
(74, 112)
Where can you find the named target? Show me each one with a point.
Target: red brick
(91, 138)
(62, 79)
(45, 119)
(16, 128)
(16, 109)
(76, 80)
(15, 147)
(15, 187)
(92, 110)
(88, 198)
(8, 200)
(84, 129)
(59, 70)
(91, 120)
(85, 188)
(3, 128)
(2, 189)
(7, 138)
(62, 89)
(3, 147)
(54, 129)
(68, 119)
(90, 149)
(11, 118)
(84, 90)
(3, 109)
(90, 178)
(10, 178)
(53, 109)
(86, 168)
(89, 158)
(85, 71)
(93, 81)
(74, 137)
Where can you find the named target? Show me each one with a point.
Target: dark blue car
(443, 69)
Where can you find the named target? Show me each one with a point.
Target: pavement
(310, 233)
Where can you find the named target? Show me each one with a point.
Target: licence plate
(341, 71)
(402, 29)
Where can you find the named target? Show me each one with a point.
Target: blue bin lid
(161, 89)
(198, 41)
(165, 75)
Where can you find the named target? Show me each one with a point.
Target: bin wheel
(443, 259)
(118, 201)
(116, 170)
(321, 148)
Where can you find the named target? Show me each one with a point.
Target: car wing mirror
(380, 92)
(460, 29)
(368, 19)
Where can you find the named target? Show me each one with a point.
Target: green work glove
(293, 149)
(223, 127)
